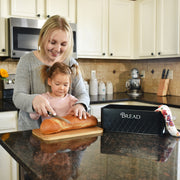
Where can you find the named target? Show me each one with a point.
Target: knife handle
(167, 73)
(163, 73)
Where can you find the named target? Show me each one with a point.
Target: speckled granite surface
(110, 156)
(173, 101)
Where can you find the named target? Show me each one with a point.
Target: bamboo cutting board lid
(68, 134)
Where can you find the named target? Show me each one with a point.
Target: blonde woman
(55, 45)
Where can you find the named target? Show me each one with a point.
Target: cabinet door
(168, 27)
(24, 8)
(147, 27)
(3, 28)
(158, 28)
(8, 166)
(90, 16)
(121, 15)
(64, 8)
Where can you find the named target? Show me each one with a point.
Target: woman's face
(60, 84)
(56, 45)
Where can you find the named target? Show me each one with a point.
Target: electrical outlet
(142, 75)
(170, 76)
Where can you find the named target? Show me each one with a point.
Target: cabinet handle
(48, 16)
(103, 54)
(159, 53)
(3, 50)
(152, 54)
(38, 15)
(111, 54)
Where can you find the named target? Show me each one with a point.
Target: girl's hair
(56, 22)
(58, 67)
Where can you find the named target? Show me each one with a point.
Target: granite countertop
(172, 101)
(110, 156)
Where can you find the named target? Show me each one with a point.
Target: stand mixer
(134, 85)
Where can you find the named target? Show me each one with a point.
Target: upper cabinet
(3, 28)
(158, 28)
(105, 28)
(43, 8)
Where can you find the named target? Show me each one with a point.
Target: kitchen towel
(170, 126)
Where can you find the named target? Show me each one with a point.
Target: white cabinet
(43, 8)
(105, 28)
(25, 8)
(158, 28)
(8, 166)
(65, 8)
(3, 28)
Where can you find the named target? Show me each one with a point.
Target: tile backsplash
(118, 72)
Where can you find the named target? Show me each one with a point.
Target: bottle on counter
(93, 89)
(86, 86)
(102, 88)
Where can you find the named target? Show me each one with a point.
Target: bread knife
(59, 117)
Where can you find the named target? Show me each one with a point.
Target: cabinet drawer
(8, 121)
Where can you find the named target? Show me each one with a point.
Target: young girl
(58, 78)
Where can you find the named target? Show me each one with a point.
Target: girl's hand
(79, 111)
(42, 106)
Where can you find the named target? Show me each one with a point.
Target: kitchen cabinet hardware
(111, 54)
(159, 53)
(103, 54)
(38, 15)
(3, 50)
(48, 16)
(152, 54)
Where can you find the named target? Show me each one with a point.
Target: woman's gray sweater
(28, 84)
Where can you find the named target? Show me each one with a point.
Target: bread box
(132, 119)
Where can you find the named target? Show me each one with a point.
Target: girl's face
(60, 84)
(56, 45)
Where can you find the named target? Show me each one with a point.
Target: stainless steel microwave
(24, 34)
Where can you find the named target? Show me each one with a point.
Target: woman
(55, 45)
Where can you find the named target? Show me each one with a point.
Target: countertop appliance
(24, 34)
(133, 85)
(8, 86)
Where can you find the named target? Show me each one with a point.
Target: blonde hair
(54, 23)
(56, 68)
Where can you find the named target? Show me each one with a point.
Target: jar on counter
(109, 87)
(102, 88)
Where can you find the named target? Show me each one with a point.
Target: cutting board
(68, 134)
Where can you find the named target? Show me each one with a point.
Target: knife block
(163, 87)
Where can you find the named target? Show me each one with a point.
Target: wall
(118, 71)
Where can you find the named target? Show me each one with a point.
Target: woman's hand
(42, 106)
(79, 111)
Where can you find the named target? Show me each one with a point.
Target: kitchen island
(109, 156)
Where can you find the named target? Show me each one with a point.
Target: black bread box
(132, 119)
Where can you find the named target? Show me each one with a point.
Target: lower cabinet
(9, 168)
